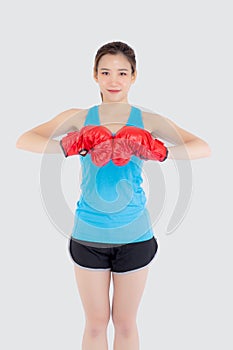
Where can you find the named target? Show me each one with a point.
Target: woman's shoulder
(76, 116)
(152, 121)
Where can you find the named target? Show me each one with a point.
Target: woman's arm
(192, 148)
(40, 139)
(184, 144)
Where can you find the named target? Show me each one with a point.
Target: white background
(184, 60)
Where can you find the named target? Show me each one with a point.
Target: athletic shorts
(119, 259)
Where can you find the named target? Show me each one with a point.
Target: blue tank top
(112, 204)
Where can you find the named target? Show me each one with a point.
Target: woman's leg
(93, 288)
(128, 290)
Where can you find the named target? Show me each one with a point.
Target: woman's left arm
(184, 144)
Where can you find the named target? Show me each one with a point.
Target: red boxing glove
(69, 143)
(131, 140)
(122, 148)
(96, 140)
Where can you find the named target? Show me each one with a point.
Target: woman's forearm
(33, 142)
(190, 150)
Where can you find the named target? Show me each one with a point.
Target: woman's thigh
(93, 287)
(128, 291)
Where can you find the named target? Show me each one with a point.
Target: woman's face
(114, 77)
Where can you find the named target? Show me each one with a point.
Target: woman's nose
(114, 79)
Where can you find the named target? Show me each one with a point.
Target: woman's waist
(114, 218)
(112, 201)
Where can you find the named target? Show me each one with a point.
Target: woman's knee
(124, 325)
(97, 325)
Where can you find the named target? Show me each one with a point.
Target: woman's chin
(111, 99)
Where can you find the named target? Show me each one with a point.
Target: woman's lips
(113, 91)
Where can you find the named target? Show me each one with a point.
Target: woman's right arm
(40, 139)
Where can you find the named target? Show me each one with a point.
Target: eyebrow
(121, 69)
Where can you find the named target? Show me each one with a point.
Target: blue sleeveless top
(112, 204)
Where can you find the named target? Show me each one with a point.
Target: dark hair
(115, 48)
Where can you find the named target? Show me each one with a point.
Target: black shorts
(119, 259)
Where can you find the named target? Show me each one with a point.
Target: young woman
(99, 246)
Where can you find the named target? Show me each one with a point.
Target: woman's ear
(95, 75)
(134, 76)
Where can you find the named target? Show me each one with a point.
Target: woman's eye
(123, 73)
(105, 73)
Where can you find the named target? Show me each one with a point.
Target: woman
(96, 254)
